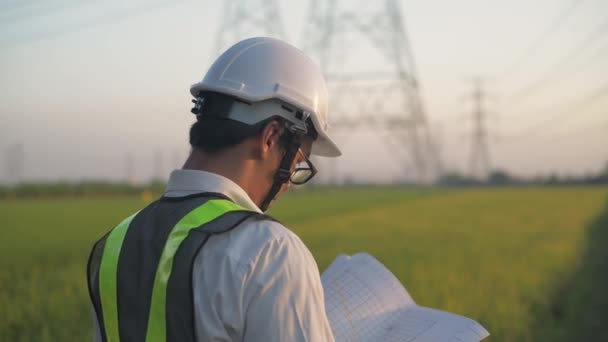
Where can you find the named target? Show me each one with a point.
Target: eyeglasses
(303, 172)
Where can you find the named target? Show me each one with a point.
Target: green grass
(529, 264)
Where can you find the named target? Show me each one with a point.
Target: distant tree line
(503, 178)
(81, 189)
(101, 188)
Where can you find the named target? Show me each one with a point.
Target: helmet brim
(324, 146)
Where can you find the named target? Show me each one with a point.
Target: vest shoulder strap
(155, 303)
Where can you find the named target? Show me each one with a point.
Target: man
(203, 263)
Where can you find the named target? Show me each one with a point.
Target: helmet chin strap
(284, 171)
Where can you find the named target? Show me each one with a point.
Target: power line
(25, 11)
(595, 95)
(89, 24)
(552, 72)
(544, 36)
(600, 54)
(15, 5)
(590, 128)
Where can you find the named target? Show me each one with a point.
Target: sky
(100, 90)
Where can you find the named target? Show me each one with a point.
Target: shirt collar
(187, 182)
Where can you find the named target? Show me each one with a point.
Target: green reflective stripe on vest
(212, 209)
(107, 279)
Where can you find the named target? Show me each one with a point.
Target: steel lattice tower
(480, 155)
(245, 18)
(364, 51)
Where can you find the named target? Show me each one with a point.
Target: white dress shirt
(257, 282)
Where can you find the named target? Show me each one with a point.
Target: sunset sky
(101, 90)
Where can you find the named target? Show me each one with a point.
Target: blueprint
(365, 302)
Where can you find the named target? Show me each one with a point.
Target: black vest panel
(138, 261)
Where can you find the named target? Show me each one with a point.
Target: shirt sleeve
(285, 298)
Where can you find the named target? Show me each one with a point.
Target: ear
(269, 138)
(306, 145)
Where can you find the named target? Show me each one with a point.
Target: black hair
(211, 134)
(213, 131)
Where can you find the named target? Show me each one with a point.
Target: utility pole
(245, 18)
(479, 163)
(177, 159)
(364, 52)
(15, 163)
(130, 168)
(158, 165)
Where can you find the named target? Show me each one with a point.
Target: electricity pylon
(364, 51)
(479, 162)
(244, 18)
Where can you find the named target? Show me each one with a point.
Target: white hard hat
(260, 69)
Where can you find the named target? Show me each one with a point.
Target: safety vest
(140, 272)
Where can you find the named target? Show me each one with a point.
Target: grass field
(529, 264)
